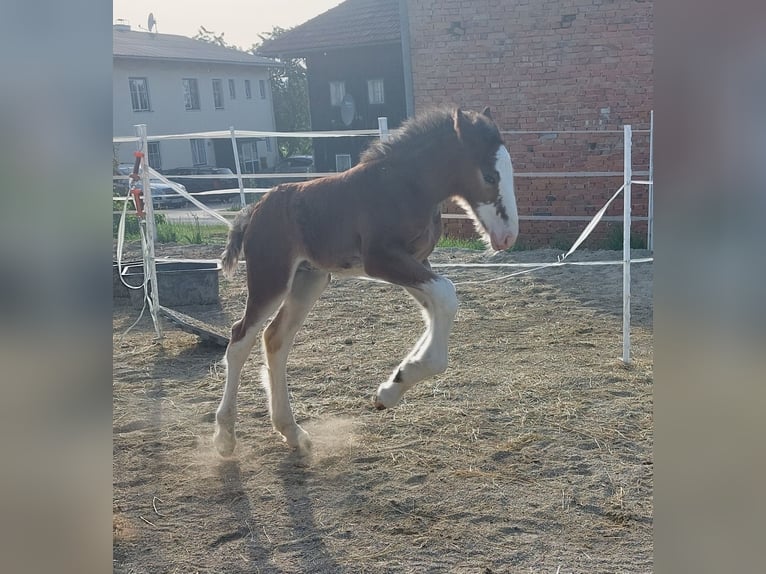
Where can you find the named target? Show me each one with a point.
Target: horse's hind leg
(278, 339)
(263, 299)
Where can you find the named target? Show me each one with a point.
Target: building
(563, 67)
(178, 85)
(354, 65)
(561, 78)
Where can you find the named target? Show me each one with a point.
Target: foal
(380, 219)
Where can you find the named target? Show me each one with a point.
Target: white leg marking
(429, 357)
(234, 359)
(277, 342)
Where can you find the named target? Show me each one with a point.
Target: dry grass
(533, 452)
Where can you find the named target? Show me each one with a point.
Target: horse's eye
(490, 179)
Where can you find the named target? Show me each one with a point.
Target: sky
(240, 20)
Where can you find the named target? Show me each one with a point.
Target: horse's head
(488, 194)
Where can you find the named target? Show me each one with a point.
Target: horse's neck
(445, 177)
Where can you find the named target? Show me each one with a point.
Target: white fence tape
(591, 225)
(155, 174)
(251, 134)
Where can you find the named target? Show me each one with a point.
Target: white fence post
(383, 128)
(236, 163)
(626, 246)
(650, 224)
(150, 266)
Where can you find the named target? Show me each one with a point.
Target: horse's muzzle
(502, 241)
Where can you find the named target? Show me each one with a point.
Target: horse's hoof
(224, 442)
(300, 441)
(387, 395)
(304, 444)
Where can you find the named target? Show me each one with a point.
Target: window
(337, 91)
(199, 155)
(218, 94)
(139, 94)
(248, 93)
(375, 93)
(155, 160)
(191, 94)
(342, 162)
(268, 144)
(232, 90)
(249, 157)
(262, 88)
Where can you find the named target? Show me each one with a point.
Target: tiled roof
(352, 23)
(147, 45)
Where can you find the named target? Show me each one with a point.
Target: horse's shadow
(306, 540)
(234, 496)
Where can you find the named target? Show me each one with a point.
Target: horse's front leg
(437, 298)
(429, 356)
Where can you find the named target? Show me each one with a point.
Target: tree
(289, 89)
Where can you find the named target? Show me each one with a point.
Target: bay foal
(380, 219)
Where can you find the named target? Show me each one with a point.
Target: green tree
(289, 89)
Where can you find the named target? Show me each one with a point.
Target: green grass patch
(192, 233)
(476, 244)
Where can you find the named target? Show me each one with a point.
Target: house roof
(151, 46)
(352, 23)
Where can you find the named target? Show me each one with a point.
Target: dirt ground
(532, 453)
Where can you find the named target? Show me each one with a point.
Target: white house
(178, 85)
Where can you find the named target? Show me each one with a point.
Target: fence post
(150, 266)
(650, 224)
(628, 135)
(383, 129)
(236, 163)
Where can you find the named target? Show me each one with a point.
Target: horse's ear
(486, 112)
(458, 119)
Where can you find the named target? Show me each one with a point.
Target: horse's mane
(412, 135)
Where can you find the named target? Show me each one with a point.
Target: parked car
(291, 164)
(163, 195)
(296, 164)
(227, 180)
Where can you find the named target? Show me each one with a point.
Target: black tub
(181, 281)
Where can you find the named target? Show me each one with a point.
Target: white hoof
(388, 395)
(224, 440)
(299, 439)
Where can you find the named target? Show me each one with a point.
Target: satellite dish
(347, 110)
(151, 22)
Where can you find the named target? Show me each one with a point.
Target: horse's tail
(231, 253)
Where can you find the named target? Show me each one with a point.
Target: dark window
(218, 94)
(191, 94)
(155, 160)
(139, 94)
(199, 154)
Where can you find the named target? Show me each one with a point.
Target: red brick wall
(545, 65)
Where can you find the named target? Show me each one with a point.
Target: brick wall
(545, 65)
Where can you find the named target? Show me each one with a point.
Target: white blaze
(489, 213)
